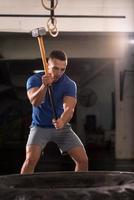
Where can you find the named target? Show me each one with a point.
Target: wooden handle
(43, 54)
(45, 65)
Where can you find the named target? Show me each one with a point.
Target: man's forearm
(67, 115)
(37, 97)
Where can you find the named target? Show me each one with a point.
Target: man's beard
(56, 78)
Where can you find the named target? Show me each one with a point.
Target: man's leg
(33, 153)
(78, 154)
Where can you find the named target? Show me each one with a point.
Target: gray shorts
(65, 138)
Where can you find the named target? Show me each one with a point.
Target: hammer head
(38, 32)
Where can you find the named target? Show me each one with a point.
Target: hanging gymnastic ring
(54, 33)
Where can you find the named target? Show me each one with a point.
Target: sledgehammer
(39, 33)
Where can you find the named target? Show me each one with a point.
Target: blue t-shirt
(42, 115)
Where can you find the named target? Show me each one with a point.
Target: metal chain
(51, 25)
(49, 8)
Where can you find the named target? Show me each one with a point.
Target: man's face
(56, 67)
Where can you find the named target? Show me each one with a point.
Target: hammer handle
(43, 54)
(45, 65)
(52, 102)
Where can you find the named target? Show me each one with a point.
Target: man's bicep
(69, 102)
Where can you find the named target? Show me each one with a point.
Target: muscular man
(44, 128)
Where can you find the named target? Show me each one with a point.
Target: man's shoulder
(68, 79)
(36, 75)
(34, 81)
(70, 87)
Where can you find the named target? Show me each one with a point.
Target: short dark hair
(58, 54)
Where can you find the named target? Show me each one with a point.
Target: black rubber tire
(93, 185)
